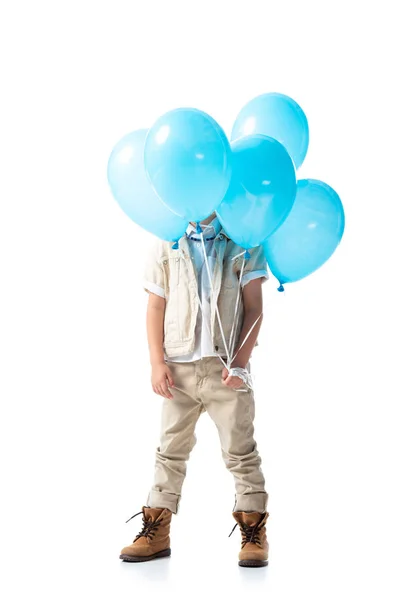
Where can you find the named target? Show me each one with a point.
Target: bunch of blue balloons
(184, 168)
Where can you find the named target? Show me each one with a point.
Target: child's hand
(161, 379)
(232, 382)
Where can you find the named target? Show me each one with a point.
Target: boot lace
(149, 527)
(250, 533)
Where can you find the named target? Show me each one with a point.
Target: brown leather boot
(153, 541)
(254, 552)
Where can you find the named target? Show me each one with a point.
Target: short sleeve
(256, 266)
(154, 272)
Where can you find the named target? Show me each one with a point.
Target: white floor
(334, 560)
(332, 528)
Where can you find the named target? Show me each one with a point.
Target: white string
(244, 376)
(232, 371)
(240, 254)
(205, 320)
(246, 338)
(214, 299)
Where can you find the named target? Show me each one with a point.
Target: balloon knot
(198, 228)
(281, 288)
(175, 246)
(247, 255)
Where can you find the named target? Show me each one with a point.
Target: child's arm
(253, 310)
(161, 376)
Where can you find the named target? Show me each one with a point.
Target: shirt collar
(210, 230)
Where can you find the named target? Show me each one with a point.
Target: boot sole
(253, 563)
(161, 554)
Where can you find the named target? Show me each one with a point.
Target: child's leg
(233, 413)
(178, 422)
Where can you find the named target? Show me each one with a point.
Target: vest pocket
(174, 272)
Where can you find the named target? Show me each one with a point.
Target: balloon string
(229, 359)
(205, 319)
(214, 299)
(209, 330)
(240, 254)
(228, 356)
(244, 376)
(246, 338)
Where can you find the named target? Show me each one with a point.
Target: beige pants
(198, 388)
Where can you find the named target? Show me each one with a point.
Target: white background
(79, 423)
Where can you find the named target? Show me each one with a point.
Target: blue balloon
(279, 117)
(133, 192)
(309, 235)
(262, 190)
(188, 160)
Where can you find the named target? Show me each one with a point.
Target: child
(190, 332)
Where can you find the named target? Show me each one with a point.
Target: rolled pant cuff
(251, 502)
(163, 500)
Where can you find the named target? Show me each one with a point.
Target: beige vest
(173, 270)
